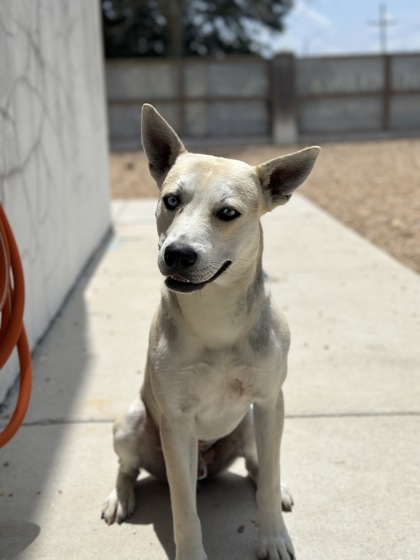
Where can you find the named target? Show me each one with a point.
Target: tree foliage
(191, 27)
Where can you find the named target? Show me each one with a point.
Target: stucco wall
(53, 148)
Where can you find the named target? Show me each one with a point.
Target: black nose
(179, 256)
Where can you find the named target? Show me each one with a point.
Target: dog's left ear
(281, 176)
(160, 142)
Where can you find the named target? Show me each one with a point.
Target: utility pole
(382, 23)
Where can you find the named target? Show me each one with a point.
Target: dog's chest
(225, 382)
(217, 393)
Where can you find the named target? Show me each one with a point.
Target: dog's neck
(220, 314)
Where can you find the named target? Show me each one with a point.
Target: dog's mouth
(180, 284)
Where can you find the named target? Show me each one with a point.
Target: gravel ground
(372, 187)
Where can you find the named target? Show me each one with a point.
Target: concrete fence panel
(338, 96)
(329, 76)
(319, 116)
(405, 86)
(405, 112)
(200, 97)
(249, 99)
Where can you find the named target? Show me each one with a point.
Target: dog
(217, 355)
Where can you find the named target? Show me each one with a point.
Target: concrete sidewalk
(351, 450)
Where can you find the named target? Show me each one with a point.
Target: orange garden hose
(12, 331)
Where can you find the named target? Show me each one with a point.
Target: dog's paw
(119, 507)
(181, 556)
(276, 547)
(191, 552)
(286, 499)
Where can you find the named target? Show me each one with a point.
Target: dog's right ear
(281, 176)
(160, 143)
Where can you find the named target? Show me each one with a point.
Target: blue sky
(318, 27)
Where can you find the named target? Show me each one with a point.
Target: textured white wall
(53, 148)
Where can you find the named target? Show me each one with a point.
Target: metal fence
(249, 99)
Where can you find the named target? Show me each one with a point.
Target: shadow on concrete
(226, 507)
(60, 362)
(17, 535)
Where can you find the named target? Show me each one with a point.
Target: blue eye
(227, 214)
(171, 201)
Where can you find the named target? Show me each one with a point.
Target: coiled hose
(12, 330)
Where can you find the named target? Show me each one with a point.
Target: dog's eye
(171, 201)
(228, 214)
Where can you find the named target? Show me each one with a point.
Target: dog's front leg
(180, 448)
(274, 540)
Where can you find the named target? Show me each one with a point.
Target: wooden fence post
(387, 92)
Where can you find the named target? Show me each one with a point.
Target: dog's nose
(179, 256)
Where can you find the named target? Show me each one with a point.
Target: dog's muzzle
(179, 259)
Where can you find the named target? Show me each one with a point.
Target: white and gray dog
(217, 354)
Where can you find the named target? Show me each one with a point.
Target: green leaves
(191, 27)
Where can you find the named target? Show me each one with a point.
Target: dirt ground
(372, 187)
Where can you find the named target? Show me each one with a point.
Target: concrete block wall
(361, 94)
(53, 148)
(405, 85)
(328, 90)
(201, 97)
(283, 100)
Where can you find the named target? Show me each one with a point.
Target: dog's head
(209, 208)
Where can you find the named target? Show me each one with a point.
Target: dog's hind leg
(249, 449)
(239, 443)
(137, 444)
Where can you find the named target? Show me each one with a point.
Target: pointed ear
(279, 177)
(160, 143)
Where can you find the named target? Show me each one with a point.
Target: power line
(383, 23)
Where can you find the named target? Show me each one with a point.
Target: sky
(326, 27)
